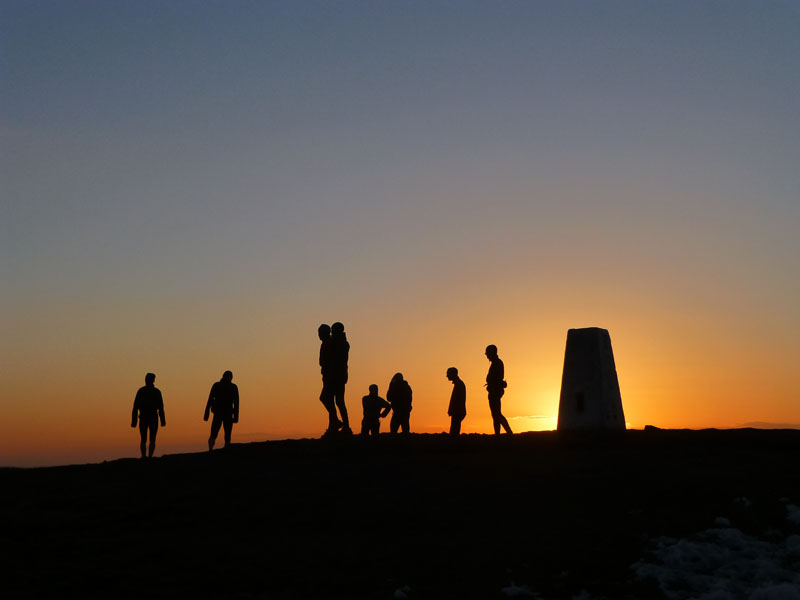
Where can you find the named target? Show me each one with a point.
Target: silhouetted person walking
(399, 396)
(496, 387)
(148, 408)
(223, 401)
(326, 366)
(340, 352)
(375, 408)
(457, 409)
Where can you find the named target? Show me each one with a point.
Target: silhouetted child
(457, 409)
(375, 408)
(148, 408)
(496, 387)
(223, 401)
(399, 396)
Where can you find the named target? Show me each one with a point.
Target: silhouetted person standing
(458, 402)
(496, 387)
(326, 366)
(148, 408)
(375, 408)
(223, 401)
(399, 396)
(340, 352)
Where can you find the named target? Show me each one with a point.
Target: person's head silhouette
(227, 377)
(337, 328)
(149, 379)
(324, 331)
(398, 377)
(491, 352)
(373, 390)
(452, 373)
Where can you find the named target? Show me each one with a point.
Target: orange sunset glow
(437, 180)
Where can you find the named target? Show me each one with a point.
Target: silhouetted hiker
(340, 351)
(496, 387)
(399, 396)
(223, 401)
(325, 364)
(375, 408)
(458, 402)
(148, 407)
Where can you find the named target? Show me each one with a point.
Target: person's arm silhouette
(235, 403)
(386, 407)
(161, 410)
(208, 404)
(135, 414)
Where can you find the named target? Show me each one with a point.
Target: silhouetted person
(340, 351)
(496, 387)
(148, 408)
(399, 396)
(326, 365)
(223, 401)
(375, 408)
(457, 409)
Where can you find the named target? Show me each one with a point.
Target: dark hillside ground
(363, 518)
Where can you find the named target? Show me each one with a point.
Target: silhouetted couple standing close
(334, 351)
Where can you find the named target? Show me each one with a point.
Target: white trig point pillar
(590, 398)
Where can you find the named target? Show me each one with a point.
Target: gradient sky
(189, 187)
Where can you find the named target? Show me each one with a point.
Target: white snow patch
(518, 591)
(793, 545)
(724, 564)
(584, 595)
(401, 593)
(783, 591)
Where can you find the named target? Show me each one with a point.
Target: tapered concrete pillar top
(590, 396)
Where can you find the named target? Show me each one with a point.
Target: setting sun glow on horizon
(188, 189)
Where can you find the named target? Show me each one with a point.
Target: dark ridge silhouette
(148, 409)
(399, 395)
(315, 518)
(457, 409)
(375, 409)
(496, 387)
(223, 402)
